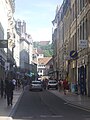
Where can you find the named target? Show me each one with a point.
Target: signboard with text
(3, 43)
(82, 44)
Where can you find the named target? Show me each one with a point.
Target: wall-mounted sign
(3, 43)
(82, 44)
(73, 54)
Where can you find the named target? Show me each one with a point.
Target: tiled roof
(40, 51)
(44, 60)
(35, 51)
(44, 43)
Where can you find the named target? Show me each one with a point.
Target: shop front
(73, 75)
(82, 75)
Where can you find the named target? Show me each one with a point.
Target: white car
(36, 85)
(52, 84)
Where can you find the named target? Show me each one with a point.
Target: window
(40, 71)
(78, 7)
(81, 33)
(81, 5)
(86, 29)
(78, 37)
(73, 11)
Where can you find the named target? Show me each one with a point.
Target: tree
(48, 51)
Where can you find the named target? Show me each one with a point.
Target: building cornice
(12, 3)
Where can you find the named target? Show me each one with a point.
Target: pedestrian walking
(59, 85)
(9, 92)
(2, 88)
(65, 85)
(14, 82)
(5, 87)
(23, 84)
(44, 84)
(18, 84)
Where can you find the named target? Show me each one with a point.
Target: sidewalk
(6, 110)
(80, 101)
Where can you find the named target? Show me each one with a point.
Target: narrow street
(45, 105)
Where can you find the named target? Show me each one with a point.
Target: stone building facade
(7, 8)
(72, 22)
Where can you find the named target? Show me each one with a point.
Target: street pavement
(82, 102)
(5, 110)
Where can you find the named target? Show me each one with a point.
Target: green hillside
(47, 49)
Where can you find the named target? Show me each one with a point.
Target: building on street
(71, 37)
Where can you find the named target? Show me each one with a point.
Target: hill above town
(45, 46)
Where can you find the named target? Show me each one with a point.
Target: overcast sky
(38, 15)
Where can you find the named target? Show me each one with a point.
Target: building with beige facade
(10, 4)
(72, 41)
(3, 36)
(7, 8)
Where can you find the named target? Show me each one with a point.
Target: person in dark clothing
(2, 88)
(44, 84)
(9, 92)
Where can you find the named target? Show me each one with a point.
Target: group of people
(63, 84)
(7, 87)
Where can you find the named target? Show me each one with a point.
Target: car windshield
(53, 81)
(36, 82)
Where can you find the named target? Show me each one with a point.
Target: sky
(38, 15)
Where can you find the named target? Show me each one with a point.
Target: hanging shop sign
(73, 54)
(3, 43)
(82, 44)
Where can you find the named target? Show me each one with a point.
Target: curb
(16, 105)
(71, 103)
(76, 105)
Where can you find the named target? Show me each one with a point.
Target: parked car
(52, 84)
(36, 85)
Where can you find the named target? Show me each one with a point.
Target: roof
(35, 51)
(40, 51)
(50, 61)
(44, 60)
(43, 43)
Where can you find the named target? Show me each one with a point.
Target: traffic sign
(73, 54)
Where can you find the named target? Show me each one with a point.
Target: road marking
(51, 116)
(27, 117)
(5, 118)
(57, 116)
